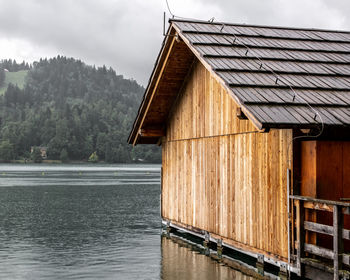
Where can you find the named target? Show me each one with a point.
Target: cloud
(127, 35)
(124, 36)
(296, 13)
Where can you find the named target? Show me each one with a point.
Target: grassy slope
(16, 78)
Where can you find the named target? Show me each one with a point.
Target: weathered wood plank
(319, 228)
(318, 206)
(152, 132)
(319, 251)
(320, 201)
(324, 229)
(346, 259)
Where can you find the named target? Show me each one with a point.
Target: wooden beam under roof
(156, 86)
(151, 132)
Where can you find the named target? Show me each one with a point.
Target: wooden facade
(254, 127)
(220, 174)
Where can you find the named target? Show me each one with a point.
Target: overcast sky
(127, 34)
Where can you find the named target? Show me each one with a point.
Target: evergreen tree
(36, 155)
(2, 77)
(6, 151)
(72, 108)
(64, 155)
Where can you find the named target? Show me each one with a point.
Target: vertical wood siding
(220, 174)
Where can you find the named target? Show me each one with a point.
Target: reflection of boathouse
(183, 259)
(236, 109)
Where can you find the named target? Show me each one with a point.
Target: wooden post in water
(219, 248)
(338, 247)
(206, 239)
(206, 243)
(260, 264)
(300, 235)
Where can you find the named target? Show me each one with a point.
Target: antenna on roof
(169, 9)
(164, 24)
(211, 20)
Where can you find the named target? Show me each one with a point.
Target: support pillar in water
(219, 248)
(206, 243)
(260, 264)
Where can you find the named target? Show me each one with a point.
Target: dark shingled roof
(300, 67)
(280, 77)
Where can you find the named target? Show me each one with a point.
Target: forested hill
(71, 109)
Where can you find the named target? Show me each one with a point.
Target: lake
(91, 222)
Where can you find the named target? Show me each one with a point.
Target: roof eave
(133, 136)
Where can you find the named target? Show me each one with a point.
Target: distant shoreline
(53, 161)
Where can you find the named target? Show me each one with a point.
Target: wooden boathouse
(254, 127)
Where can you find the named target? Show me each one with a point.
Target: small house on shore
(43, 151)
(254, 127)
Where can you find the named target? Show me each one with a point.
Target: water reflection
(185, 257)
(181, 261)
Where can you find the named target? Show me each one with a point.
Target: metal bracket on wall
(168, 228)
(207, 237)
(283, 273)
(283, 267)
(219, 242)
(260, 263)
(206, 243)
(219, 247)
(260, 258)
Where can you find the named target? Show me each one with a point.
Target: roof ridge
(259, 26)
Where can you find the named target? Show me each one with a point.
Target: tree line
(2, 77)
(12, 65)
(73, 110)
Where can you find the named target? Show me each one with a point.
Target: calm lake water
(91, 222)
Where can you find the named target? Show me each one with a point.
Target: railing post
(338, 248)
(300, 234)
(161, 192)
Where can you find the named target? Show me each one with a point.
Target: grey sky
(127, 34)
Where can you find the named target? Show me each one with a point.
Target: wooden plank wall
(204, 109)
(220, 174)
